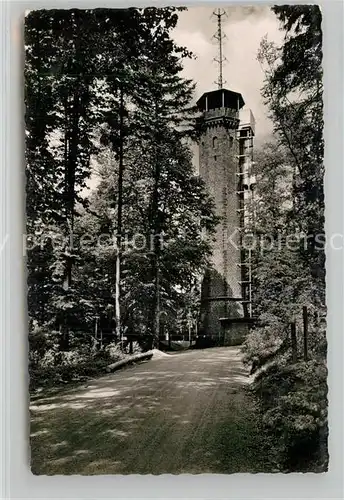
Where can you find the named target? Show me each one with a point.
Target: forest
(117, 215)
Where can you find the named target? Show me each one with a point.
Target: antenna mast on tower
(220, 36)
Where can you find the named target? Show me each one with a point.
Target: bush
(293, 396)
(264, 342)
(294, 412)
(48, 366)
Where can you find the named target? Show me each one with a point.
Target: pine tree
(184, 209)
(289, 276)
(107, 82)
(293, 94)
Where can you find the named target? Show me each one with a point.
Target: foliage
(104, 90)
(294, 400)
(288, 270)
(49, 366)
(294, 98)
(184, 208)
(263, 343)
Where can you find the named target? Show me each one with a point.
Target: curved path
(181, 413)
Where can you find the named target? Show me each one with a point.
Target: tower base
(235, 330)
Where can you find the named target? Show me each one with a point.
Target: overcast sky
(244, 28)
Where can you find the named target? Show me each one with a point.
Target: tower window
(215, 158)
(214, 142)
(230, 140)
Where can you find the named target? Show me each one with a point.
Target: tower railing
(221, 112)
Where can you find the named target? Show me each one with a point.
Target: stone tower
(224, 315)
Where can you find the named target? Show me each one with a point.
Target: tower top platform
(221, 98)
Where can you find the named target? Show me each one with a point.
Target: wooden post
(131, 346)
(305, 332)
(293, 342)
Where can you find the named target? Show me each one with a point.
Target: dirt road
(184, 413)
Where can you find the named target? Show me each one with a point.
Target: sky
(244, 28)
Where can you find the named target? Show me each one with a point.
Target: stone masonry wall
(218, 164)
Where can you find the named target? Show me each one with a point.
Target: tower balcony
(216, 113)
(220, 107)
(221, 98)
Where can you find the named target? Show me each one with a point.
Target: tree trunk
(70, 158)
(156, 333)
(305, 332)
(156, 258)
(155, 225)
(119, 225)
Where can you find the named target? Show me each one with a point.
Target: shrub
(294, 411)
(48, 366)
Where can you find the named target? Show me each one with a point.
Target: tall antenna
(220, 36)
